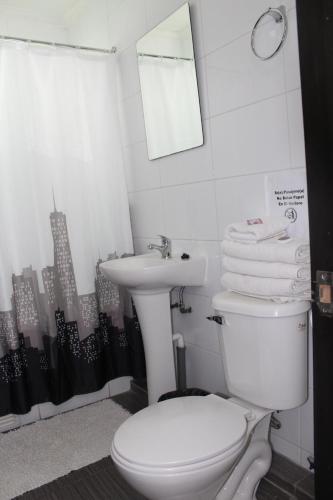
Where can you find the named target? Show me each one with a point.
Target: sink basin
(149, 279)
(149, 271)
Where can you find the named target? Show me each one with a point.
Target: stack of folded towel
(261, 260)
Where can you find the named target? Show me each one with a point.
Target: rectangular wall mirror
(169, 86)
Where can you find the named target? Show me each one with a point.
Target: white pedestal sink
(149, 279)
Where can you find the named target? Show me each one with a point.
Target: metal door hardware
(311, 461)
(324, 292)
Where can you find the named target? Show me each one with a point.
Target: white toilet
(205, 448)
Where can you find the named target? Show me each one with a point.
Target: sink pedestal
(153, 311)
(149, 280)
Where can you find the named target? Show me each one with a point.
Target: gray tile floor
(290, 478)
(101, 481)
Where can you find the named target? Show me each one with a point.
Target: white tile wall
(157, 11)
(255, 139)
(133, 123)
(252, 125)
(210, 376)
(237, 78)
(129, 83)
(238, 198)
(190, 211)
(28, 24)
(146, 210)
(193, 165)
(226, 20)
(292, 72)
(87, 24)
(140, 172)
(286, 448)
(296, 132)
(201, 69)
(195, 327)
(128, 23)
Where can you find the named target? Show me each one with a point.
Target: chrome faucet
(165, 248)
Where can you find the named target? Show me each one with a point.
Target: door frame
(315, 35)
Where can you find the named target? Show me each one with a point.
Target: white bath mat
(48, 449)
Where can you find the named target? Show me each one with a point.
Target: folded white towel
(255, 230)
(300, 272)
(291, 251)
(266, 287)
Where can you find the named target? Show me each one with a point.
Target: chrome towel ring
(280, 16)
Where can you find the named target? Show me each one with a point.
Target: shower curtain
(64, 329)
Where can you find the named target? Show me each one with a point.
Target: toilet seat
(181, 433)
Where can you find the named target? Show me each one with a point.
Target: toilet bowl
(186, 448)
(207, 447)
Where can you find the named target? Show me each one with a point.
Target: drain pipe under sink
(181, 361)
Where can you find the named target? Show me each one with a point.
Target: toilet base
(252, 466)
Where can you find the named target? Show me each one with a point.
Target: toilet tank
(264, 348)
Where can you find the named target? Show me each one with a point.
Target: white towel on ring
(255, 230)
(266, 287)
(299, 272)
(291, 251)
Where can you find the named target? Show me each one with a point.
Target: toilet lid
(181, 431)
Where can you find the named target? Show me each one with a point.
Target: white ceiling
(53, 9)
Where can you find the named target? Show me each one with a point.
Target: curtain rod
(113, 50)
(142, 54)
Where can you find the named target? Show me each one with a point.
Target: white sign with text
(286, 194)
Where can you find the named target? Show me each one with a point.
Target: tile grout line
(215, 179)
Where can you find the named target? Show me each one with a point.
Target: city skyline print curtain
(64, 329)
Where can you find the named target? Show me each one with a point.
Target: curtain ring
(279, 15)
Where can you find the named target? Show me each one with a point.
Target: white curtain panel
(59, 138)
